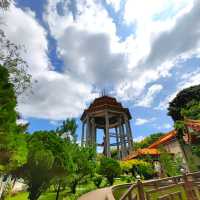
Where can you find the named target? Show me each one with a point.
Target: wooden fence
(182, 187)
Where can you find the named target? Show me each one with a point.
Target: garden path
(99, 194)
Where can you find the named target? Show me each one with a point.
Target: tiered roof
(105, 103)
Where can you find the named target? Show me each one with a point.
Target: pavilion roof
(103, 103)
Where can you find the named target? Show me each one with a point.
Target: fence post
(140, 190)
(188, 188)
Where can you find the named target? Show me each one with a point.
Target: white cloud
(185, 81)
(22, 29)
(164, 127)
(22, 121)
(148, 99)
(94, 56)
(141, 121)
(157, 48)
(138, 139)
(55, 95)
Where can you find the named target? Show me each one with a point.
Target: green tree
(170, 165)
(4, 4)
(69, 126)
(84, 166)
(192, 110)
(110, 168)
(181, 101)
(48, 157)
(13, 148)
(14, 63)
(147, 141)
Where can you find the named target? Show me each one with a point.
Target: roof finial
(103, 93)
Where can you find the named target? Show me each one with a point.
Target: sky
(141, 52)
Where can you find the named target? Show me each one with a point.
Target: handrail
(186, 180)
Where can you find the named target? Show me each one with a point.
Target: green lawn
(64, 195)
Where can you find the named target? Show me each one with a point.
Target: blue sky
(141, 52)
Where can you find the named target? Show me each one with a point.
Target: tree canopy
(182, 101)
(109, 168)
(147, 141)
(13, 148)
(48, 157)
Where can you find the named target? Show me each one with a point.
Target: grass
(64, 195)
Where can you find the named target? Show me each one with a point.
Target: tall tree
(13, 148)
(182, 100)
(48, 157)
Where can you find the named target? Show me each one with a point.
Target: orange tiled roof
(142, 152)
(165, 138)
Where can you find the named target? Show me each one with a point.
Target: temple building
(170, 143)
(108, 115)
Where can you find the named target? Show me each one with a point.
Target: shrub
(109, 168)
(97, 180)
(143, 168)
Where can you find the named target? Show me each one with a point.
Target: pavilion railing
(185, 187)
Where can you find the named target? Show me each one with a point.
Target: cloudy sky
(141, 52)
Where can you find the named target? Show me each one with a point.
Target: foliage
(8, 103)
(97, 180)
(196, 149)
(137, 167)
(69, 126)
(13, 146)
(48, 157)
(84, 165)
(4, 4)
(114, 153)
(14, 63)
(192, 110)
(147, 141)
(171, 166)
(109, 168)
(181, 101)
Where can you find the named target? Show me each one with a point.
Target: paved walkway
(100, 194)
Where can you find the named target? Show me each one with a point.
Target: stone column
(83, 134)
(87, 131)
(121, 138)
(93, 140)
(117, 141)
(124, 140)
(107, 135)
(128, 134)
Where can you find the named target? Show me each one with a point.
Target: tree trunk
(58, 190)
(73, 187)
